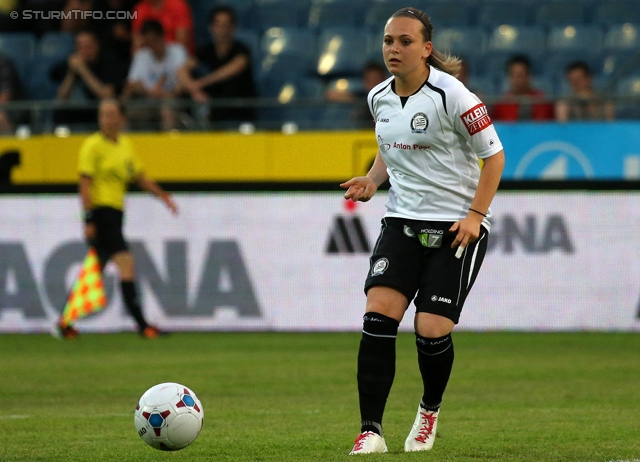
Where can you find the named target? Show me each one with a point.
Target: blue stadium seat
(288, 91)
(340, 51)
(560, 13)
(464, 41)
(336, 13)
(286, 50)
(497, 13)
(610, 12)
(445, 14)
(378, 13)
(283, 13)
(37, 83)
(616, 63)
(622, 37)
(587, 38)
(55, 44)
(19, 47)
(507, 39)
(628, 88)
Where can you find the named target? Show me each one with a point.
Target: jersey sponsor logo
(476, 119)
(419, 123)
(411, 147)
(379, 267)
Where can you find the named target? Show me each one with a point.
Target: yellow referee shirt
(112, 166)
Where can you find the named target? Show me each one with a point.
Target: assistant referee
(107, 164)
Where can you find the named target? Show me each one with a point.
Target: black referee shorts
(109, 239)
(415, 258)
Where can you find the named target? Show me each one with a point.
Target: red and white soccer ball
(169, 416)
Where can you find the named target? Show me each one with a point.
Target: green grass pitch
(292, 397)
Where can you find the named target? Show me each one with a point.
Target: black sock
(435, 358)
(130, 296)
(376, 368)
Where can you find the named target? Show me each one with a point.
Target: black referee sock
(376, 368)
(435, 358)
(130, 296)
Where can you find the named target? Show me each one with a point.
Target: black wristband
(474, 210)
(88, 216)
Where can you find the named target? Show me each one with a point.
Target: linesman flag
(87, 295)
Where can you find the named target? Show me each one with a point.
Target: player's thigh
(395, 261)
(447, 280)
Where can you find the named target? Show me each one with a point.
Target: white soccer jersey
(431, 147)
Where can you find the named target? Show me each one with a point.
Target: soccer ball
(169, 416)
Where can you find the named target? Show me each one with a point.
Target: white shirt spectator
(148, 70)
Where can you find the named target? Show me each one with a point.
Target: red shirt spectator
(174, 15)
(522, 102)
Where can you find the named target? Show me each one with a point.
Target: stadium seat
(287, 50)
(378, 13)
(622, 37)
(460, 40)
(497, 13)
(37, 83)
(55, 45)
(617, 63)
(288, 92)
(19, 47)
(560, 13)
(336, 13)
(587, 38)
(628, 88)
(445, 14)
(610, 12)
(509, 39)
(281, 14)
(340, 51)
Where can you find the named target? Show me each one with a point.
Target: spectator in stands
(584, 103)
(87, 75)
(174, 15)
(73, 21)
(373, 73)
(10, 90)
(114, 31)
(522, 101)
(154, 76)
(221, 69)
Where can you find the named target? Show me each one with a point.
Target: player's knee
(378, 325)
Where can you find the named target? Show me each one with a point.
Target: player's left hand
(468, 230)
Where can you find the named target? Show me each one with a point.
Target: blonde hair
(443, 61)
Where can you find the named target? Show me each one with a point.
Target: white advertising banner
(297, 261)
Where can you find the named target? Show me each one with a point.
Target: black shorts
(109, 239)
(431, 273)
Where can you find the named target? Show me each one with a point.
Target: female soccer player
(107, 165)
(431, 133)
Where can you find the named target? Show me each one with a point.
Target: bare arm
(362, 188)
(469, 227)
(154, 188)
(84, 187)
(64, 90)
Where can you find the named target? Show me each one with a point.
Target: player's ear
(428, 49)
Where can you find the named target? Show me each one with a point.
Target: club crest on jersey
(379, 267)
(419, 123)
